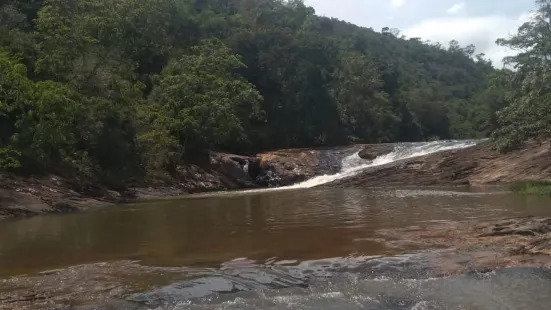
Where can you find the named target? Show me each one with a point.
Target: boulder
(372, 151)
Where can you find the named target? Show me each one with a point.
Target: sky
(478, 22)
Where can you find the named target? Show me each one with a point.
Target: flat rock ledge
(479, 245)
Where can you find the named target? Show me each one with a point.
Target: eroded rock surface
(50, 194)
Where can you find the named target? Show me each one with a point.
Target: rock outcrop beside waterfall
(286, 167)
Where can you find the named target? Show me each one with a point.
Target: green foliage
(542, 188)
(9, 158)
(115, 90)
(15, 94)
(46, 130)
(363, 108)
(202, 103)
(160, 150)
(38, 119)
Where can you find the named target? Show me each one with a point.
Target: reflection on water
(206, 231)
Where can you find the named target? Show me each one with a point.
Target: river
(300, 247)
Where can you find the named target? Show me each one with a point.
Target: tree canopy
(116, 89)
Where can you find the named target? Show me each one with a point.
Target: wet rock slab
(476, 245)
(398, 283)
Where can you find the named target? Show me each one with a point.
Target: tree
(37, 119)
(15, 90)
(391, 31)
(363, 108)
(528, 114)
(532, 41)
(201, 102)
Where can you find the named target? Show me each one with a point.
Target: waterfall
(353, 164)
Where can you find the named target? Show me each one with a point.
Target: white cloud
(456, 8)
(397, 3)
(481, 31)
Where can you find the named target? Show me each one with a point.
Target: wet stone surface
(398, 283)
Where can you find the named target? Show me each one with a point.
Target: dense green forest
(120, 89)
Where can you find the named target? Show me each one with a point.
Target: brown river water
(294, 249)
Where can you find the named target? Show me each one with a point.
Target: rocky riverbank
(27, 196)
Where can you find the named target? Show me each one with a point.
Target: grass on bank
(542, 188)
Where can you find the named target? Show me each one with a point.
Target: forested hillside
(115, 89)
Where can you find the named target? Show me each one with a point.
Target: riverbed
(317, 248)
